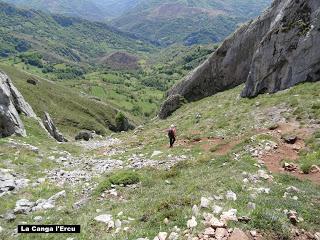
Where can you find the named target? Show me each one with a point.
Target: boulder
(23, 206)
(290, 139)
(84, 135)
(52, 129)
(106, 219)
(12, 104)
(32, 81)
(238, 234)
(192, 223)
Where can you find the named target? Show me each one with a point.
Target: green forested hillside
(59, 37)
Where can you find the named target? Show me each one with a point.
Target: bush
(120, 119)
(125, 178)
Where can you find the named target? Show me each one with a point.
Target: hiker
(172, 134)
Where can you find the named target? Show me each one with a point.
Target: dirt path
(274, 158)
(289, 152)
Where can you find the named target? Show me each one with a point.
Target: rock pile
(10, 182)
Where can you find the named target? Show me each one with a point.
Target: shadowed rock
(52, 129)
(84, 135)
(12, 104)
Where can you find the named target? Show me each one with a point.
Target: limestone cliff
(276, 51)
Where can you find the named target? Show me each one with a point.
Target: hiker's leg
(171, 142)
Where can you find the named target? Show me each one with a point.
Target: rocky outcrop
(170, 105)
(52, 129)
(289, 53)
(12, 104)
(276, 51)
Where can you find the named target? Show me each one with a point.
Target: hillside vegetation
(59, 38)
(70, 111)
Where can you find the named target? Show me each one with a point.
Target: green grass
(70, 111)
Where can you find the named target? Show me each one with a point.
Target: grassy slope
(70, 111)
(205, 174)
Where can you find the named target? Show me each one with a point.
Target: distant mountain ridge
(94, 10)
(163, 21)
(188, 22)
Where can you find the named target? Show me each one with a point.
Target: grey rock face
(289, 53)
(12, 104)
(276, 51)
(170, 105)
(52, 129)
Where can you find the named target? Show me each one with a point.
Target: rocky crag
(52, 129)
(12, 104)
(276, 51)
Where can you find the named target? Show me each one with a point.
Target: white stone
(220, 233)
(216, 223)
(209, 232)
(245, 180)
(262, 174)
(105, 218)
(230, 215)
(156, 153)
(231, 196)
(253, 233)
(38, 218)
(117, 223)
(162, 235)
(205, 202)
(195, 210)
(251, 205)
(292, 189)
(1, 229)
(217, 209)
(58, 195)
(317, 235)
(173, 236)
(176, 229)
(192, 223)
(41, 180)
